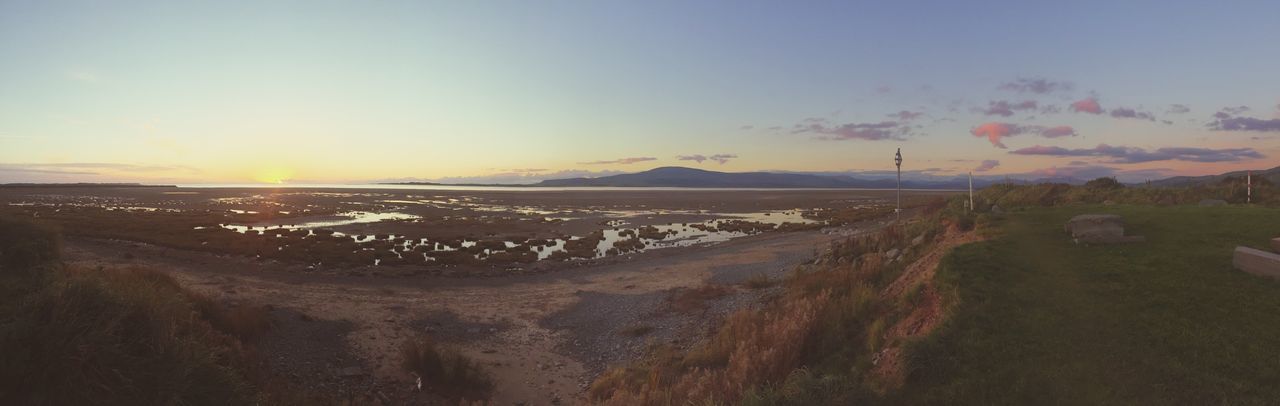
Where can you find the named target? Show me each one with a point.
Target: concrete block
(1257, 262)
(1275, 244)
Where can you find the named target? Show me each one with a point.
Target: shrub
(25, 244)
(445, 370)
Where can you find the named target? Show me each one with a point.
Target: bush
(446, 371)
(25, 245)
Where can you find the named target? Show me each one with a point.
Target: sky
(518, 91)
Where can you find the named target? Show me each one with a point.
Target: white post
(971, 208)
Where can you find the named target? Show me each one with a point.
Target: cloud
(1125, 112)
(1006, 109)
(1058, 131)
(884, 130)
(512, 177)
(1035, 85)
(699, 158)
(1178, 109)
(1130, 155)
(995, 132)
(620, 161)
(1089, 105)
(1245, 124)
(986, 165)
(905, 115)
(747, 127)
(1225, 120)
(883, 89)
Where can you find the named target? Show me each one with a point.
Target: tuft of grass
(445, 370)
(759, 281)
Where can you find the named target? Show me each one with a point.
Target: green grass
(1038, 319)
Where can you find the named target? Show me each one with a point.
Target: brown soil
(925, 311)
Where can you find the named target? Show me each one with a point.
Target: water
(616, 239)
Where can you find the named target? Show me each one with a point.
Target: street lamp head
(897, 158)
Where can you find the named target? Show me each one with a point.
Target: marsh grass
(445, 371)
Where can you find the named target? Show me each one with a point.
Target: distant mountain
(674, 176)
(1272, 175)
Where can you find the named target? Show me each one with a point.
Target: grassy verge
(76, 335)
(1042, 320)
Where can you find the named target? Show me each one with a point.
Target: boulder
(996, 209)
(1275, 244)
(1212, 203)
(893, 253)
(1257, 262)
(1099, 229)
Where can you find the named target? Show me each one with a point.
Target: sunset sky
(347, 91)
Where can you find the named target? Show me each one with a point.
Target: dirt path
(926, 308)
(544, 337)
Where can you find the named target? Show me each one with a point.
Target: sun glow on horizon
(273, 175)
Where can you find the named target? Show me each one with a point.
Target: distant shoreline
(82, 184)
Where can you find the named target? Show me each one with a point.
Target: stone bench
(1099, 229)
(1257, 262)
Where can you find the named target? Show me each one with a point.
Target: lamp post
(897, 161)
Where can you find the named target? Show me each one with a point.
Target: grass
(78, 335)
(446, 371)
(1038, 319)
(758, 281)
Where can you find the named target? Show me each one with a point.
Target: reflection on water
(615, 239)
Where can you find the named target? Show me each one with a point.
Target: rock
(891, 254)
(1275, 244)
(996, 209)
(1212, 203)
(918, 240)
(1099, 229)
(1108, 203)
(1257, 262)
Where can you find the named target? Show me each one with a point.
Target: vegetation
(1041, 320)
(1030, 317)
(75, 335)
(445, 370)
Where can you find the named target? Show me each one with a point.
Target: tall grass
(78, 335)
(445, 370)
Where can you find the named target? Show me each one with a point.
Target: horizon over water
(511, 188)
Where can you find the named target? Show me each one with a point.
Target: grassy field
(1038, 319)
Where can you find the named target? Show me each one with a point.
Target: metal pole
(897, 160)
(1249, 193)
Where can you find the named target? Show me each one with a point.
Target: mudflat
(543, 327)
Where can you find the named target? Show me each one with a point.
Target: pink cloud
(1089, 105)
(995, 132)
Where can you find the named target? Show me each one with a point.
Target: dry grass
(120, 336)
(758, 281)
(812, 345)
(445, 371)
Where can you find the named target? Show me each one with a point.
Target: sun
(276, 175)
